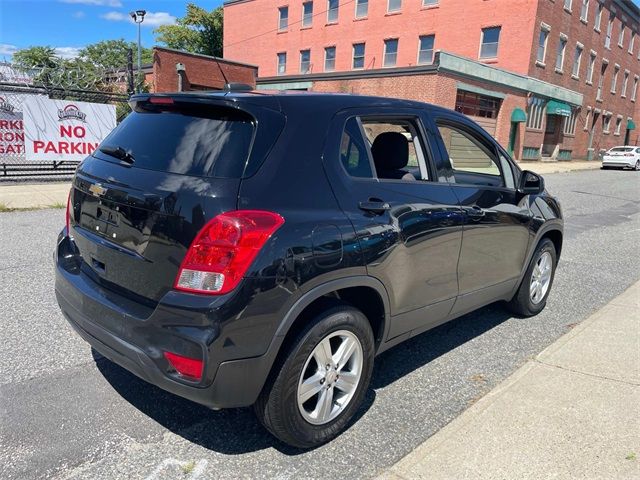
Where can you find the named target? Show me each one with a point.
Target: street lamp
(138, 17)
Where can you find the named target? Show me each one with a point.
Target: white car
(622, 157)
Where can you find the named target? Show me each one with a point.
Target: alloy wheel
(541, 278)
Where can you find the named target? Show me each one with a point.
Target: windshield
(200, 142)
(621, 149)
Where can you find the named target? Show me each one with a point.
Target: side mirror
(530, 183)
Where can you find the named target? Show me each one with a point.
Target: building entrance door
(552, 135)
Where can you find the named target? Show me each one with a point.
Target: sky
(69, 25)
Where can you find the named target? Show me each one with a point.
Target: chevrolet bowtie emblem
(97, 189)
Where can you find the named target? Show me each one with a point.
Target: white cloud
(104, 3)
(7, 49)
(78, 14)
(151, 19)
(67, 52)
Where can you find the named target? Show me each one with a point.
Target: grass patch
(4, 208)
(58, 205)
(188, 467)
(631, 456)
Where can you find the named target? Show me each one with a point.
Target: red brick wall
(251, 35)
(553, 14)
(200, 71)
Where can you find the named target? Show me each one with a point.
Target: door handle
(374, 205)
(475, 212)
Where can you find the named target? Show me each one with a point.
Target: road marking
(196, 470)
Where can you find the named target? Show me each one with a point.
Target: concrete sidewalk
(544, 168)
(570, 413)
(36, 195)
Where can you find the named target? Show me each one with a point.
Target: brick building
(552, 79)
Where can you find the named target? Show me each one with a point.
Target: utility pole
(138, 17)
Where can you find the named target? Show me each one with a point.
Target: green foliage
(112, 54)
(199, 31)
(39, 57)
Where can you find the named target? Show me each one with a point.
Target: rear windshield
(621, 149)
(211, 142)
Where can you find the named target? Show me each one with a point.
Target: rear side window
(211, 142)
(622, 149)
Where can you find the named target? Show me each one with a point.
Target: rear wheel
(637, 167)
(531, 297)
(317, 387)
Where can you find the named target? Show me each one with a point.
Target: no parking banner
(57, 130)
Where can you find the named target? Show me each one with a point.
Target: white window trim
(355, 11)
(584, 19)
(302, 25)
(480, 57)
(564, 38)
(614, 78)
(635, 88)
(393, 11)
(546, 28)
(592, 55)
(325, 58)
(280, 28)
(384, 52)
(433, 50)
(618, 125)
(632, 42)
(567, 8)
(577, 75)
(621, 35)
(587, 119)
(625, 83)
(598, 21)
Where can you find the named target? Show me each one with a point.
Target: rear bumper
(135, 336)
(618, 162)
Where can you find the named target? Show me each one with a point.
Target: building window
(305, 61)
(562, 46)
(477, 105)
(542, 45)
(430, 3)
(601, 81)
(283, 18)
(569, 127)
(307, 14)
(490, 40)
(607, 40)
(599, 8)
(606, 123)
(425, 49)
(567, 5)
(635, 89)
(590, 67)
(358, 55)
(329, 59)
(535, 113)
(618, 125)
(587, 119)
(362, 8)
(632, 42)
(394, 6)
(614, 78)
(625, 83)
(332, 11)
(282, 63)
(577, 57)
(390, 52)
(621, 36)
(584, 12)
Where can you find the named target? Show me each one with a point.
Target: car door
(496, 235)
(409, 229)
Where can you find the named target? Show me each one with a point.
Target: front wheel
(317, 387)
(637, 167)
(531, 297)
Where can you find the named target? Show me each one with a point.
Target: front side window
(490, 40)
(283, 18)
(394, 6)
(305, 61)
(282, 63)
(390, 52)
(358, 55)
(332, 11)
(307, 14)
(353, 151)
(425, 49)
(362, 8)
(329, 59)
(473, 160)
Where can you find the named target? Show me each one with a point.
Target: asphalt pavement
(65, 413)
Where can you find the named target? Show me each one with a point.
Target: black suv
(248, 248)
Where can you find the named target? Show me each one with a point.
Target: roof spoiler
(238, 87)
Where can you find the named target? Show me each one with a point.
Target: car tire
(637, 167)
(281, 407)
(531, 297)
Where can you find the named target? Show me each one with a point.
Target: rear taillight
(68, 214)
(185, 366)
(224, 249)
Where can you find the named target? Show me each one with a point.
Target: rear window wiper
(117, 152)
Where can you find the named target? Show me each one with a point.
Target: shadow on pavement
(237, 431)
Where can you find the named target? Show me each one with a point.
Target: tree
(199, 31)
(39, 57)
(112, 54)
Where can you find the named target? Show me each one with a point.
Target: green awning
(631, 125)
(554, 107)
(518, 115)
